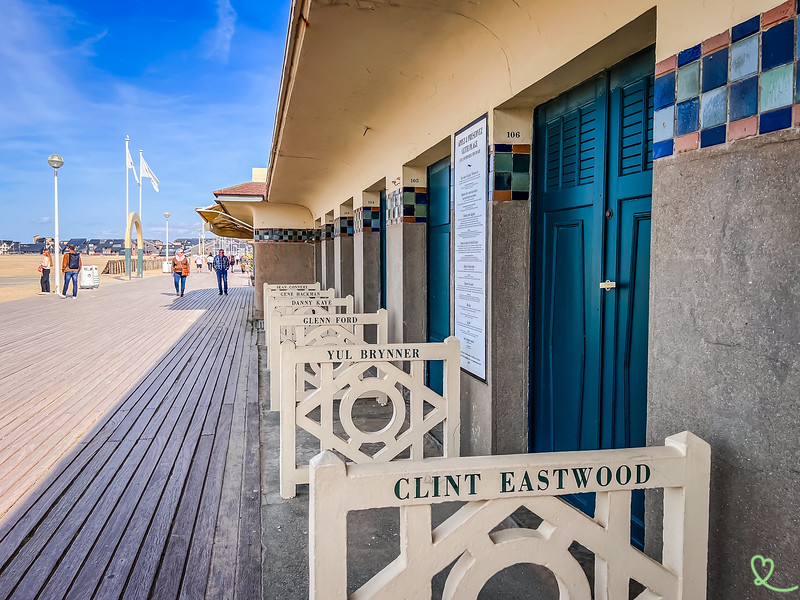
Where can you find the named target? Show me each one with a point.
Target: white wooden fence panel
(305, 305)
(350, 372)
(494, 487)
(318, 330)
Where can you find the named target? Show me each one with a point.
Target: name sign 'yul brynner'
(567, 480)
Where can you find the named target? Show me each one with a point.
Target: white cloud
(222, 34)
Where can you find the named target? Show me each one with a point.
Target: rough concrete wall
(318, 261)
(509, 316)
(406, 282)
(343, 265)
(280, 263)
(328, 269)
(724, 358)
(367, 275)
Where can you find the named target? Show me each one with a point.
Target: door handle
(608, 285)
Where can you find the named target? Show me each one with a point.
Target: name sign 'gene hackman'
(566, 480)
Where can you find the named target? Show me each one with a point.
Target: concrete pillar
(406, 281)
(280, 262)
(367, 276)
(318, 257)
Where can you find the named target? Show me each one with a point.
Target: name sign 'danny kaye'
(568, 480)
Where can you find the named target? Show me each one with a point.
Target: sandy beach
(19, 276)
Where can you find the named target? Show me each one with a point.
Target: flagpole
(140, 186)
(127, 185)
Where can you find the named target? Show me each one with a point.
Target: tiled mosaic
(343, 227)
(286, 235)
(368, 219)
(510, 170)
(326, 233)
(407, 205)
(737, 84)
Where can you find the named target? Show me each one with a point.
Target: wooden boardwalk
(129, 453)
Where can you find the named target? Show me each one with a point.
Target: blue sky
(193, 83)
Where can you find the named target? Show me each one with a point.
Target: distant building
(31, 248)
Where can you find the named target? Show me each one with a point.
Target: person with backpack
(221, 265)
(71, 266)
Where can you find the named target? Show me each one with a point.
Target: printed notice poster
(471, 197)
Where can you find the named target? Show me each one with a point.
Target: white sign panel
(471, 196)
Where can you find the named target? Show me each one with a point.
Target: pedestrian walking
(210, 262)
(221, 264)
(44, 269)
(180, 270)
(70, 267)
(198, 260)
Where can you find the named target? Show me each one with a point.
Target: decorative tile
(663, 124)
(742, 30)
(778, 14)
(744, 128)
(688, 81)
(520, 182)
(521, 148)
(775, 120)
(712, 137)
(744, 99)
(521, 163)
(520, 195)
(776, 88)
(744, 58)
(503, 148)
(666, 65)
(713, 108)
(715, 70)
(796, 115)
(687, 142)
(285, 235)
(797, 87)
(664, 91)
(797, 52)
(662, 149)
(502, 181)
(689, 55)
(687, 119)
(503, 161)
(777, 45)
(721, 40)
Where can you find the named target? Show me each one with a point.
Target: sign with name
(471, 195)
(567, 480)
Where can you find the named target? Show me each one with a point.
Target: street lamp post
(55, 161)
(166, 216)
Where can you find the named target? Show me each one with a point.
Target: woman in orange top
(180, 269)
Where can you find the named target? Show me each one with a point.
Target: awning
(223, 224)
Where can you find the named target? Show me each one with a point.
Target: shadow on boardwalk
(161, 498)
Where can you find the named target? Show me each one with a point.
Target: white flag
(144, 171)
(130, 164)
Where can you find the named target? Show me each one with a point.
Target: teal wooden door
(592, 224)
(438, 258)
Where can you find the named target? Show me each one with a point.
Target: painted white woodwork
(318, 330)
(493, 488)
(284, 305)
(367, 371)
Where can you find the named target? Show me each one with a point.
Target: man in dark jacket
(221, 264)
(71, 266)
